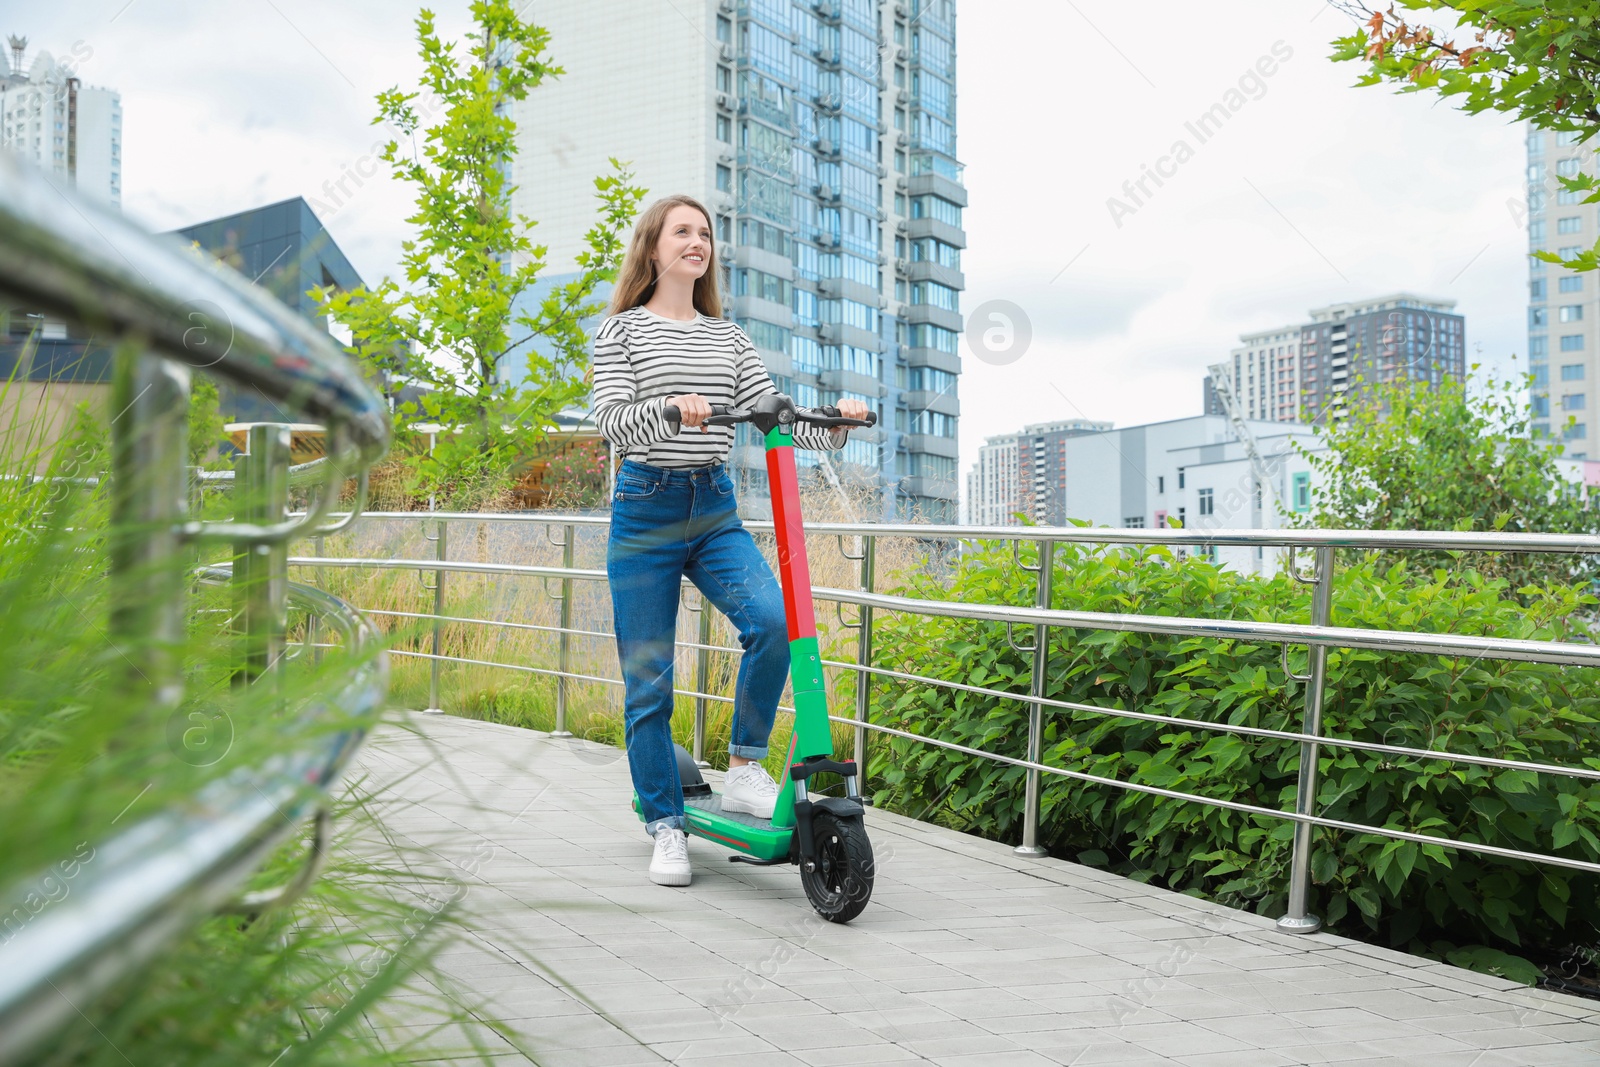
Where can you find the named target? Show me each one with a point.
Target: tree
(1419, 457)
(451, 327)
(1537, 61)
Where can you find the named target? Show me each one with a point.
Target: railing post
(440, 548)
(1296, 920)
(864, 655)
(261, 572)
(702, 677)
(565, 639)
(1041, 663)
(149, 502)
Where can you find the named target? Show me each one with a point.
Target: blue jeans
(666, 524)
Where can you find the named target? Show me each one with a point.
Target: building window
(1575, 431)
(1572, 342)
(1133, 522)
(1571, 312)
(1538, 346)
(1570, 224)
(1180, 477)
(1567, 252)
(1180, 518)
(1541, 407)
(1161, 483)
(724, 178)
(1567, 168)
(1574, 284)
(724, 80)
(1538, 317)
(724, 129)
(724, 29)
(1207, 502)
(1301, 493)
(1572, 402)
(1536, 289)
(1572, 372)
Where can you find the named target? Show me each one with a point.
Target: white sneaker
(749, 789)
(670, 864)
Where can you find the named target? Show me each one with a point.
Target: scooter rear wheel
(841, 884)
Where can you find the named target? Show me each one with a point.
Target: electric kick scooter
(824, 836)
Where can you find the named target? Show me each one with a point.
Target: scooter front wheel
(841, 883)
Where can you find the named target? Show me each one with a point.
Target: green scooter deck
(749, 834)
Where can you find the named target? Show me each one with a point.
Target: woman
(673, 514)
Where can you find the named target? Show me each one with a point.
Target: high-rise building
(821, 136)
(1560, 330)
(1024, 473)
(994, 484)
(51, 119)
(1306, 372)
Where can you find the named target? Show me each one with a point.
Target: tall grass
(84, 756)
(522, 698)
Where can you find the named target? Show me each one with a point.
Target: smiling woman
(661, 361)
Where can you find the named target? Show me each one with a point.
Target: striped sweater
(641, 358)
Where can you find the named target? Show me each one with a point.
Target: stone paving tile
(968, 954)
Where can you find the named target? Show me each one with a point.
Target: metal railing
(1318, 635)
(173, 311)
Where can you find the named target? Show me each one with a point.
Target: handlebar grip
(671, 413)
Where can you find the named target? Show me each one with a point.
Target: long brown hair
(636, 281)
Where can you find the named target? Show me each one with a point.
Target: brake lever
(831, 418)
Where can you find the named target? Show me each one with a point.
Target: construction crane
(1222, 385)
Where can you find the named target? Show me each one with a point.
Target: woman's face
(684, 248)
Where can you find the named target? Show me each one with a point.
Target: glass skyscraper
(822, 136)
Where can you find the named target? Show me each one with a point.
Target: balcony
(949, 320)
(849, 381)
(838, 333)
(933, 445)
(926, 270)
(945, 402)
(950, 235)
(846, 289)
(932, 357)
(938, 488)
(939, 186)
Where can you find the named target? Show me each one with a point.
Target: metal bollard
(149, 498)
(864, 655)
(1296, 919)
(441, 547)
(1041, 661)
(564, 638)
(261, 572)
(702, 678)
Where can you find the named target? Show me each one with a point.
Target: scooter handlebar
(723, 415)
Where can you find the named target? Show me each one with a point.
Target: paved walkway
(966, 955)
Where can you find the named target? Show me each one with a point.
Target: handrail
(168, 311)
(92, 265)
(1560, 652)
(1439, 540)
(156, 878)
(1318, 635)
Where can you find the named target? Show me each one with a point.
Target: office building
(283, 248)
(821, 135)
(1192, 472)
(1304, 373)
(1561, 308)
(54, 121)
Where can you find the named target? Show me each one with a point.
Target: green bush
(1378, 888)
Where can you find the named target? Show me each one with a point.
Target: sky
(1313, 191)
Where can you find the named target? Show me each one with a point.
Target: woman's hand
(854, 409)
(693, 409)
